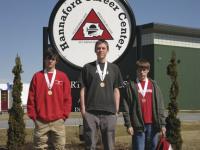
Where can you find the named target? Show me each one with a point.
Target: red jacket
(49, 107)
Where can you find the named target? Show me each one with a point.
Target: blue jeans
(146, 140)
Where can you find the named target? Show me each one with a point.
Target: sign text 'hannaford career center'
(122, 16)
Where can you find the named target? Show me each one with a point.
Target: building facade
(6, 96)
(158, 41)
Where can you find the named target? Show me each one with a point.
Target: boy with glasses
(49, 104)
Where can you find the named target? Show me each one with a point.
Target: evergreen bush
(173, 124)
(16, 130)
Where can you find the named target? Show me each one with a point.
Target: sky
(22, 22)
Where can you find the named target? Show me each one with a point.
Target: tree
(16, 130)
(173, 124)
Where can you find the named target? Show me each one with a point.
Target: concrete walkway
(187, 117)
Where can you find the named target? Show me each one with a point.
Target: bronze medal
(50, 92)
(102, 84)
(143, 100)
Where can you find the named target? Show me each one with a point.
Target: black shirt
(99, 98)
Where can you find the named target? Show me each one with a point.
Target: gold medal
(102, 84)
(50, 92)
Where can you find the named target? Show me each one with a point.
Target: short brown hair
(100, 42)
(51, 53)
(143, 63)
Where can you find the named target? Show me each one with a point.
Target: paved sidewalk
(189, 117)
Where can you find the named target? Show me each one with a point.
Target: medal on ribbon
(102, 84)
(143, 91)
(102, 74)
(50, 92)
(50, 83)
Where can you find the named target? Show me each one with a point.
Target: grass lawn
(190, 135)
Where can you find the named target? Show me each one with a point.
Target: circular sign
(75, 26)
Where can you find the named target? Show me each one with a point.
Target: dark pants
(105, 123)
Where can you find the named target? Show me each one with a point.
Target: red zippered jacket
(46, 107)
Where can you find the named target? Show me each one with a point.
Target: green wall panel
(188, 74)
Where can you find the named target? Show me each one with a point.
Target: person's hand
(163, 131)
(130, 130)
(116, 114)
(83, 112)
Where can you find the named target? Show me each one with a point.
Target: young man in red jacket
(49, 104)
